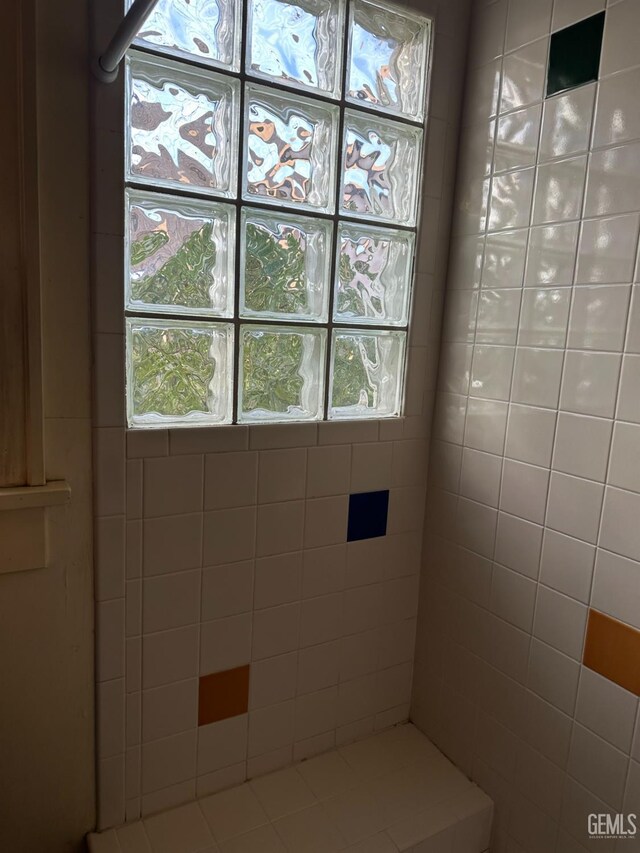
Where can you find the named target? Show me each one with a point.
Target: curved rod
(106, 66)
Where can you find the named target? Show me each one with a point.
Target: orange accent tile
(223, 694)
(613, 649)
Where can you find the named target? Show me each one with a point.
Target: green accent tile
(574, 56)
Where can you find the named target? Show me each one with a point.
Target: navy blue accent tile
(368, 515)
(574, 55)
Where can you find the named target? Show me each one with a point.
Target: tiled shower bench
(390, 792)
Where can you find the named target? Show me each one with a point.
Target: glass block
(366, 374)
(297, 43)
(281, 373)
(179, 255)
(181, 127)
(206, 30)
(178, 373)
(388, 58)
(285, 266)
(373, 275)
(290, 150)
(381, 169)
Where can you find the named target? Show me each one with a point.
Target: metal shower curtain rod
(106, 66)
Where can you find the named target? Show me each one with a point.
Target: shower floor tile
(390, 792)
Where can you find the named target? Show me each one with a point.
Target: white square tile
(325, 520)
(599, 317)
(227, 590)
(486, 425)
(518, 544)
(275, 631)
(261, 840)
(170, 656)
(233, 812)
(277, 580)
(498, 316)
(624, 467)
(617, 118)
(582, 446)
(328, 774)
(220, 780)
(553, 676)
(567, 12)
(328, 471)
(318, 667)
(598, 766)
(173, 486)
(168, 761)
(280, 528)
(510, 204)
(504, 258)
(315, 713)
(524, 490)
(551, 256)
(370, 467)
(172, 544)
(613, 181)
(517, 139)
(566, 125)
(309, 831)
(607, 249)
(229, 535)
(590, 383)
(544, 317)
(574, 506)
(231, 479)
(513, 597)
(525, 24)
(567, 565)
(559, 190)
(530, 434)
(323, 570)
(476, 527)
(629, 394)
(222, 745)
(480, 476)
(170, 601)
(616, 589)
(620, 531)
(536, 376)
(618, 45)
(271, 728)
(169, 710)
(523, 76)
(225, 643)
(320, 619)
(273, 680)
(282, 475)
(560, 622)
(491, 372)
(606, 709)
(182, 830)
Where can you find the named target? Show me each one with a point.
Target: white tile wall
(552, 402)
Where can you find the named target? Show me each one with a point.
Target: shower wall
(237, 629)
(528, 644)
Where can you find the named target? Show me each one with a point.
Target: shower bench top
(393, 791)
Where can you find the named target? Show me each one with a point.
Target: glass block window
(273, 177)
